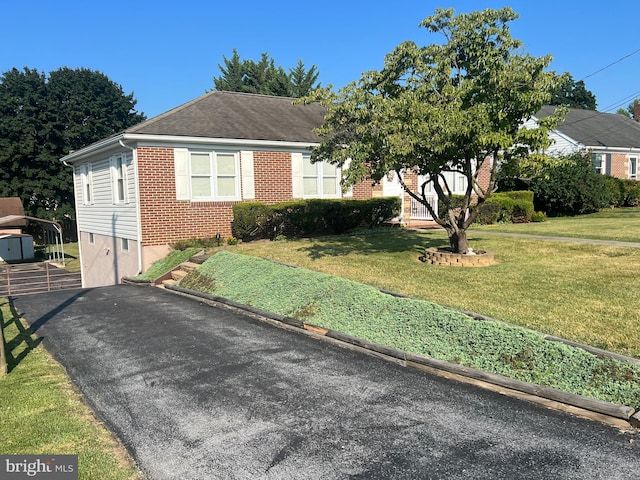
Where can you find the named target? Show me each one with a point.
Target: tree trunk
(459, 241)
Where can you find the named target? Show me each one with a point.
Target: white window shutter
(296, 175)
(246, 167)
(181, 163)
(349, 192)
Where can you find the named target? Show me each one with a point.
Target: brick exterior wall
(619, 165)
(166, 220)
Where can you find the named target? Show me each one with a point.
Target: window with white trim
(92, 239)
(320, 179)
(119, 179)
(633, 167)
(86, 179)
(598, 162)
(214, 175)
(124, 245)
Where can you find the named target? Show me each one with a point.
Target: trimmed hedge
(515, 207)
(253, 220)
(415, 325)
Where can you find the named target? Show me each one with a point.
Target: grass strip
(41, 413)
(172, 260)
(415, 325)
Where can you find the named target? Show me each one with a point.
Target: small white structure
(15, 247)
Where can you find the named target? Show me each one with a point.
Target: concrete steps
(183, 269)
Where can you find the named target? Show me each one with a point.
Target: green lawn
(41, 413)
(585, 293)
(622, 224)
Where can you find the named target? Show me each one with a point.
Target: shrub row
(571, 186)
(254, 220)
(515, 207)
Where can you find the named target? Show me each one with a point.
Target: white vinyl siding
(102, 216)
(211, 175)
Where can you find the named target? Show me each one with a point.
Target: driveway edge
(620, 416)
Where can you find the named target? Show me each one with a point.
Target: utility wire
(611, 64)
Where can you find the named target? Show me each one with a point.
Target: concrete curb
(620, 416)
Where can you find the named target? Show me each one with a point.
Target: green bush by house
(254, 220)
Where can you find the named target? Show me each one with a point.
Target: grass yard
(621, 224)
(584, 293)
(41, 413)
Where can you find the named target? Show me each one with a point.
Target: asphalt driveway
(202, 392)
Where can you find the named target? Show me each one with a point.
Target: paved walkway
(202, 392)
(592, 241)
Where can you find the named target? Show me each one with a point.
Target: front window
(119, 174)
(633, 167)
(86, 178)
(598, 162)
(214, 175)
(320, 179)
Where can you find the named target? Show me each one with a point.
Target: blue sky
(167, 53)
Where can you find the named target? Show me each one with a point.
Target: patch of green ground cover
(172, 260)
(575, 291)
(622, 224)
(40, 413)
(414, 325)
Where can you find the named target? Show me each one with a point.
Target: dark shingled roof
(12, 206)
(597, 129)
(220, 114)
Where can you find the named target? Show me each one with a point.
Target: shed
(15, 247)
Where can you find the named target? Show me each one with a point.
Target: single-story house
(178, 176)
(613, 140)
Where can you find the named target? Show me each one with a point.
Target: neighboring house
(613, 140)
(12, 206)
(178, 176)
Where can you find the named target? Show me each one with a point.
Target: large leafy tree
(569, 93)
(455, 106)
(42, 119)
(264, 77)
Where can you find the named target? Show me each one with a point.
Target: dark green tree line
(44, 118)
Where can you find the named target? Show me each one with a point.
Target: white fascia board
(94, 147)
(600, 148)
(175, 140)
(182, 140)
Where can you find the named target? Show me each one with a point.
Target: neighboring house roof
(596, 129)
(233, 115)
(12, 207)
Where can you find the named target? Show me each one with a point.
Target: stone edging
(436, 256)
(617, 415)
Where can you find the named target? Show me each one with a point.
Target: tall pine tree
(264, 77)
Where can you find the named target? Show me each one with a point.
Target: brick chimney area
(636, 112)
